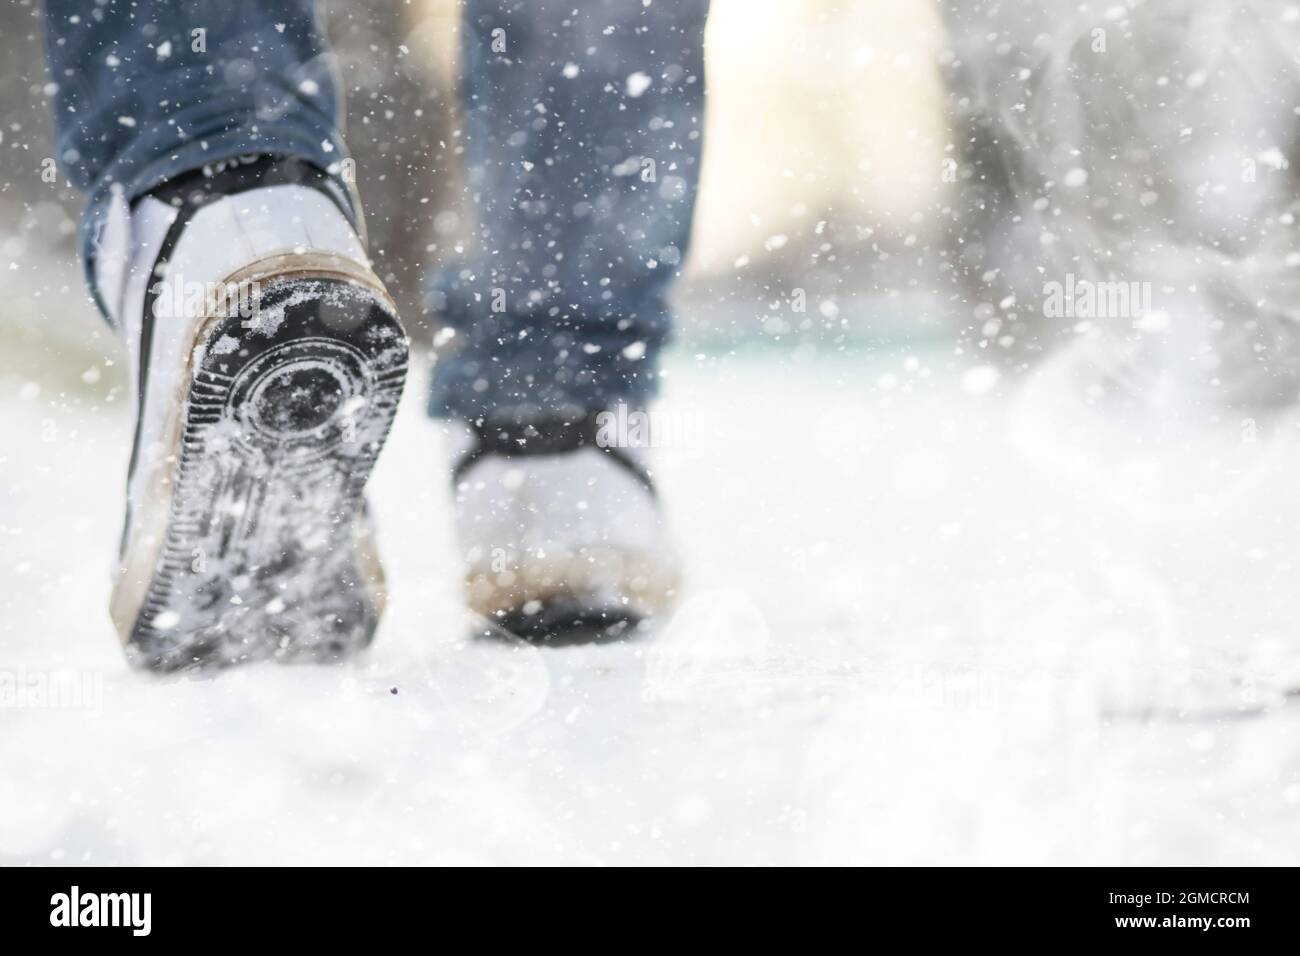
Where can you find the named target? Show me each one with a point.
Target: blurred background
(909, 171)
(971, 579)
(826, 135)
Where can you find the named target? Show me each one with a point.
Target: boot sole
(265, 550)
(571, 598)
(564, 621)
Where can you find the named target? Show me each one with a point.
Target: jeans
(583, 131)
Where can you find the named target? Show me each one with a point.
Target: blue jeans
(583, 138)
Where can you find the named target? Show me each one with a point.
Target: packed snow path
(921, 628)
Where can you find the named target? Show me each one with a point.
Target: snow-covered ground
(928, 622)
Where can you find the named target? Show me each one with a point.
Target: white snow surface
(925, 624)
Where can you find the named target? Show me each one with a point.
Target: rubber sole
(585, 596)
(562, 622)
(266, 549)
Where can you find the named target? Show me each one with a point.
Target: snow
(637, 83)
(926, 624)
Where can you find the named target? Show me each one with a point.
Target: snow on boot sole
(253, 542)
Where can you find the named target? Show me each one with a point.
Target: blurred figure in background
(1131, 163)
(223, 239)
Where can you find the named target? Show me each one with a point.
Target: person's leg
(266, 357)
(584, 127)
(146, 90)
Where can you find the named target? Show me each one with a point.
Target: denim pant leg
(584, 125)
(149, 89)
